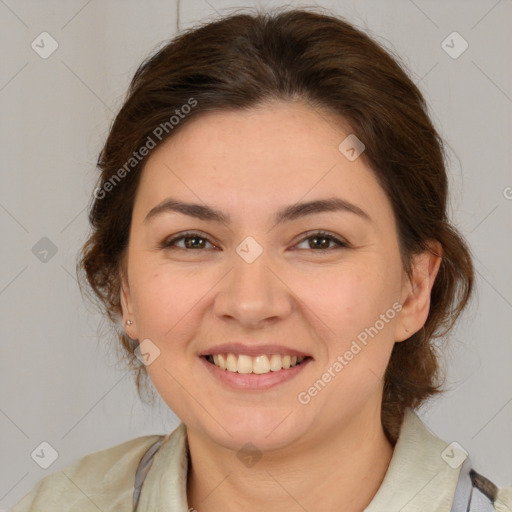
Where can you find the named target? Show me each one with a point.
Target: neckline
(417, 473)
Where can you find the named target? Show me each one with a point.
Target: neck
(342, 470)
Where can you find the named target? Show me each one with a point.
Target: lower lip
(254, 381)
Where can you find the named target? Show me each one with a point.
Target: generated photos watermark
(305, 397)
(152, 140)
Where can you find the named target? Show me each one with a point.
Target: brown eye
(191, 241)
(320, 241)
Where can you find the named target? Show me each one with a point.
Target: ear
(416, 289)
(126, 303)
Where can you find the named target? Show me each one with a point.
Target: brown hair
(245, 60)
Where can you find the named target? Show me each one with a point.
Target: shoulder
(102, 480)
(488, 496)
(503, 502)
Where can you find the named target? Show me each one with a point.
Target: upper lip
(252, 350)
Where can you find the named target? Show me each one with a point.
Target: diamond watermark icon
(44, 455)
(454, 45)
(44, 250)
(249, 249)
(454, 455)
(351, 147)
(249, 455)
(147, 352)
(44, 45)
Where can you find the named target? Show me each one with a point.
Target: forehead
(278, 154)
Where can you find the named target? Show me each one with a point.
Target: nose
(253, 293)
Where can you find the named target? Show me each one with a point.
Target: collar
(417, 479)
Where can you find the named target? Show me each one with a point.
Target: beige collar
(417, 479)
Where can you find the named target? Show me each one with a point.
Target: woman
(270, 228)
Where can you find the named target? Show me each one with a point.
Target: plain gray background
(59, 380)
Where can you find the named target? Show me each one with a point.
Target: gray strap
(474, 493)
(484, 494)
(462, 497)
(142, 471)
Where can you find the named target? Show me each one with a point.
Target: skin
(332, 453)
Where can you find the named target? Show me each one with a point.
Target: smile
(253, 373)
(259, 365)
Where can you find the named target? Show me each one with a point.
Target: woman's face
(261, 284)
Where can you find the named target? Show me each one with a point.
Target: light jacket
(422, 477)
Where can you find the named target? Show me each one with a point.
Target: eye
(320, 241)
(193, 240)
(197, 241)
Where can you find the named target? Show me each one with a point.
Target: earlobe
(416, 291)
(126, 306)
(125, 300)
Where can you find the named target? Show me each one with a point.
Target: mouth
(259, 365)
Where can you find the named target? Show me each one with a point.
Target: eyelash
(167, 244)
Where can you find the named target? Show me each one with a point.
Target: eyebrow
(286, 214)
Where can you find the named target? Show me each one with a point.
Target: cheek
(351, 300)
(162, 298)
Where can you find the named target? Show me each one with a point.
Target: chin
(266, 430)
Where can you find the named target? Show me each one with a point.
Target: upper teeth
(259, 364)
